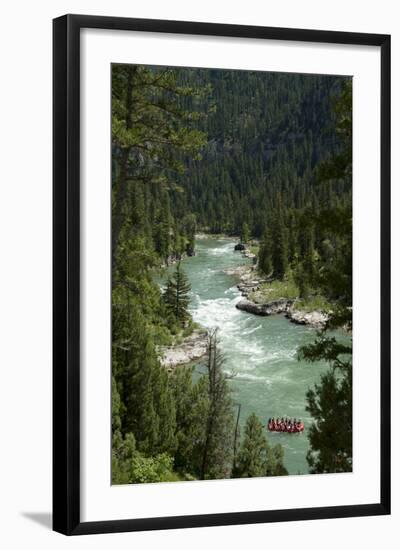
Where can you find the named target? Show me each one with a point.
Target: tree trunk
(236, 435)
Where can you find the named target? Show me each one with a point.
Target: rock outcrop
(250, 281)
(247, 254)
(192, 348)
(315, 319)
(269, 308)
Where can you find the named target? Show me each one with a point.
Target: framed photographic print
(221, 274)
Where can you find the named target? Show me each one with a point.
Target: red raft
(286, 427)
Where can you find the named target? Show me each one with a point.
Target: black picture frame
(66, 273)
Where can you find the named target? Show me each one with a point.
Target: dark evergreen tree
(330, 405)
(245, 234)
(279, 246)
(147, 408)
(192, 405)
(265, 254)
(177, 296)
(217, 452)
(256, 458)
(252, 457)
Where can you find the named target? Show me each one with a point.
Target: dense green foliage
(218, 445)
(246, 153)
(330, 405)
(330, 402)
(261, 167)
(245, 233)
(256, 458)
(150, 142)
(265, 137)
(152, 137)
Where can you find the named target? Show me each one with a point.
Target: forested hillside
(263, 143)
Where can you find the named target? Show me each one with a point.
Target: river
(262, 351)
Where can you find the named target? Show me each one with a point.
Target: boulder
(240, 247)
(315, 319)
(192, 348)
(270, 308)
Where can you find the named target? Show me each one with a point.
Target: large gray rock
(270, 308)
(191, 349)
(315, 319)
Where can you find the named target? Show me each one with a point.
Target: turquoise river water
(262, 351)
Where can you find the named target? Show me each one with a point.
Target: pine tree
(162, 229)
(256, 457)
(217, 452)
(279, 247)
(245, 233)
(189, 228)
(176, 296)
(330, 405)
(251, 459)
(275, 461)
(265, 254)
(292, 241)
(191, 403)
(146, 408)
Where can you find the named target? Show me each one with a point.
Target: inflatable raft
(286, 428)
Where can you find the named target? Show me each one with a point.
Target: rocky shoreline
(201, 235)
(192, 348)
(250, 281)
(315, 319)
(173, 259)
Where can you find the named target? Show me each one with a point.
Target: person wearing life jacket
(299, 425)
